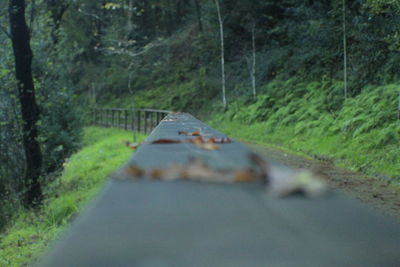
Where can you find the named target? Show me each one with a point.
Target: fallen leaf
(156, 174)
(244, 176)
(174, 172)
(211, 140)
(207, 146)
(134, 171)
(198, 170)
(168, 120)
(223, 140)
(197, 140)
(196, 133)
(260, 167)
(133, 146)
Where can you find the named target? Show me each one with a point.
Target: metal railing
(140, 120)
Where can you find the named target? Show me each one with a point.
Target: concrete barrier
(140, 221)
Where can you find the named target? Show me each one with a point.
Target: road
(382, 196)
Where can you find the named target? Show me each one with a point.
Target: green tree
(20, 38)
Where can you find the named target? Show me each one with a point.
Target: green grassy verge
(83, 176)
(348, 140)
(361, 133)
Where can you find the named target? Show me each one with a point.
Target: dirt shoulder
(381, 195)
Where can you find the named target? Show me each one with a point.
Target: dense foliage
(143, 44)
(84, 175)
(59, 123)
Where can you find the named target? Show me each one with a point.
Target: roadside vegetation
(85, 172)
(362, 135)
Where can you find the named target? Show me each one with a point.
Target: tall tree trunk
(221, 29)
(170, 21)
(251, 64)
(29, 108)
(253, 69)
(344, 50)
(198, 14)
(129, 25)
(180, 12)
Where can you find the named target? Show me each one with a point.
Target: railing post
(109, 118)
(105, 117)
(158, 118)
(151, 121)
(138, 121)
(126, 119)
(112, 117)
(107, 114)
(119, 118)
(132, 121)
(145, 121)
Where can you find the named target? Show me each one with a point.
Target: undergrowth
(83, 176)
(361, 133)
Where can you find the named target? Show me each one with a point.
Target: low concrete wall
(146, 222)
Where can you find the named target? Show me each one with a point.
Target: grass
(84, 174)
(354, 154)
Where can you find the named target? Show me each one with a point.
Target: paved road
(155, 223)
(382, 196)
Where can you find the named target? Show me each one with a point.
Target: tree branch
(91, 15)
(32, 16)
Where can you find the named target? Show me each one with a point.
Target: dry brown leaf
(156, 174)
(211, 140)
(207, 146)
(223, 140)
(174, 172)
(133, 171)
(200, 143)
(260, 167)
(244, 176)
(196, 133)
(198, 170)
(133, 146)
(197, 140)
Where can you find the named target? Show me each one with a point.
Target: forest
(320, 77)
